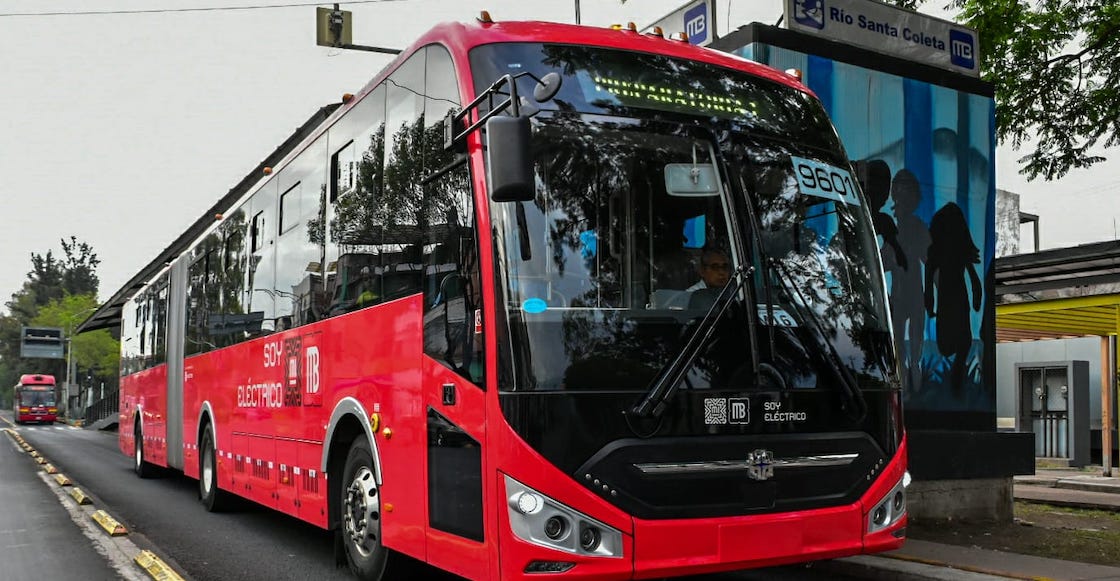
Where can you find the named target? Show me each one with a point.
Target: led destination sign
(656, 96)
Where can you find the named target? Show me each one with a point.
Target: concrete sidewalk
(1058, 487)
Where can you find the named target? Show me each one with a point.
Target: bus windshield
(656, 179)
(36, 398)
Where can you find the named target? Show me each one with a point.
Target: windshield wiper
(664, 386)
(854, 403)
(523, 233)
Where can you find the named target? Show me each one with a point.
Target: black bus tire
(139, 464)
(360, 518)
(213, 498)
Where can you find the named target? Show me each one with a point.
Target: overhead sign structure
(696, 19)
(333, 27)
(886, 29)
(42, 342)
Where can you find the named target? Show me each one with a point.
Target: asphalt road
(253, 543)
(34, 525)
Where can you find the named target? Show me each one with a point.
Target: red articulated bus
(540, 298)
(34, 400)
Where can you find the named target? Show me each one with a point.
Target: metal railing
(105, 407)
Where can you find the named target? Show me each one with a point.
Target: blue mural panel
(926, 158)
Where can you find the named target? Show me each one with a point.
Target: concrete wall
(1007, 223)
(976, 500)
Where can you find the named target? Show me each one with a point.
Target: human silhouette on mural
(951, 255)
(907, 311)
(875, 177)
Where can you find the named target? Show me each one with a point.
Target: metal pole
(379, 49)
(1108, 387)
(577, 11)
(66, 400)
(1106, 410)
(715, 27)
(1112, 381)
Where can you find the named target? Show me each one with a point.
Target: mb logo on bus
(739, 409)
(311, 393)
(301, 374)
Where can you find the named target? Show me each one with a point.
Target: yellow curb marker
(156, 568)
(34, 454)
(80, 496)
(110, 524)
(62, 480)
(50, 469)
(40, 460)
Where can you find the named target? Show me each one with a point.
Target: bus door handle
(449, 394)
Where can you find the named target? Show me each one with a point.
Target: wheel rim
(139, 455)
(362, 513)
(207, 470)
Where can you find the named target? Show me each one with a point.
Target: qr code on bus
(715, 410)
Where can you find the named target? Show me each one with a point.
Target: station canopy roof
(1059, 318)
(1061, 293)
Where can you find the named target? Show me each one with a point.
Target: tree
(1056, 70)
(95, 350)
(79, 270)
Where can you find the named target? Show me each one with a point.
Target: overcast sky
(122, 129)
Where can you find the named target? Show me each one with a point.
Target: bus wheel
(139, 465)
(213, 498)
(361, 514)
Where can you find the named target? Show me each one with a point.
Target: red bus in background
(540, 298)
(34, 399)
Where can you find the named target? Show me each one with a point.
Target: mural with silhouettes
(924, 155)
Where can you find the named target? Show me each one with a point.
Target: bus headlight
(538, 519)
(890, 509)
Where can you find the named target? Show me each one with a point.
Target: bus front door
(456, 431)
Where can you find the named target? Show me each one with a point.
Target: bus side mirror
(509, 159)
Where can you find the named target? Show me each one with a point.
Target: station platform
(923, 560)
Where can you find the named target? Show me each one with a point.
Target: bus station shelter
(1061, 294)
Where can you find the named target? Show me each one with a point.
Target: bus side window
(452, 282)
(197, 337)
(404, 166)
(355, 217)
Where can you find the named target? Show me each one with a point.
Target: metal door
(1049, 392)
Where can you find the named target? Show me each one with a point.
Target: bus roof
(461, 37)
(36, 379)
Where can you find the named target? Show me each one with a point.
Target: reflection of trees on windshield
(587, 264)
(579, 170)
(601, 221)
(824, 247)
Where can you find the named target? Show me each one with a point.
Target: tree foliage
(1056, 70)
